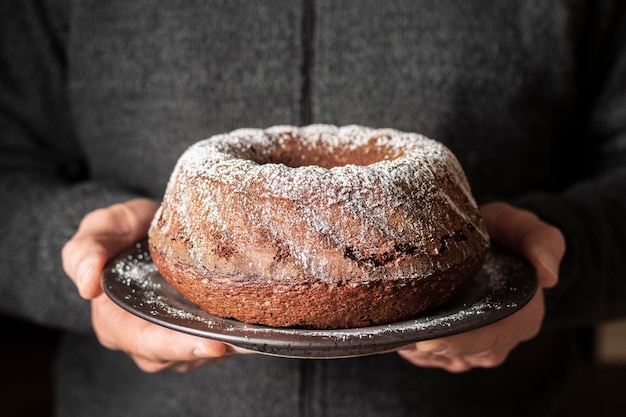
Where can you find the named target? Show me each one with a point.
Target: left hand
(102, 234)
(543, 246)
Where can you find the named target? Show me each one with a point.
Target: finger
(151, 345)
(485, 347)
(490, 350)
(523, 232)
(83, 260)
(236, 350)
(191, 366)
(152, 366)
(502, 335)
(185, 366)
(102, 234)
(230, 352)
(424, 359)
(455, 363)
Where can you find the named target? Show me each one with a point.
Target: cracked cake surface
(318, 226)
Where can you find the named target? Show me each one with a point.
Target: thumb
(522, 231)
(101, 235)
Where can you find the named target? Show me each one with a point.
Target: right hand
(101, 235)
(543, 245)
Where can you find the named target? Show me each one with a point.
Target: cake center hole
(296, 154)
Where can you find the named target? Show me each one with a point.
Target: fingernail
(84, 271)
(199, 353)
(550, 264)
(208, 352)
(431, 347)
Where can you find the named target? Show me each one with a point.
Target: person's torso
(493, 81)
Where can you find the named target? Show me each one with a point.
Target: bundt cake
(318, 226)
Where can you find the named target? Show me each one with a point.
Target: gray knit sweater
(99, 98)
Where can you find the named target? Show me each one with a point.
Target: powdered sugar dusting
(330, 209)
(148, 291)
(134, 267)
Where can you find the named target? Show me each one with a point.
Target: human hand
(543, 246)
(101, 235)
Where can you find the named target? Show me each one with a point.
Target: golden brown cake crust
(318, 226)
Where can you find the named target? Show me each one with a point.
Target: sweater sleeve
(45, 186)
(591, 211)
